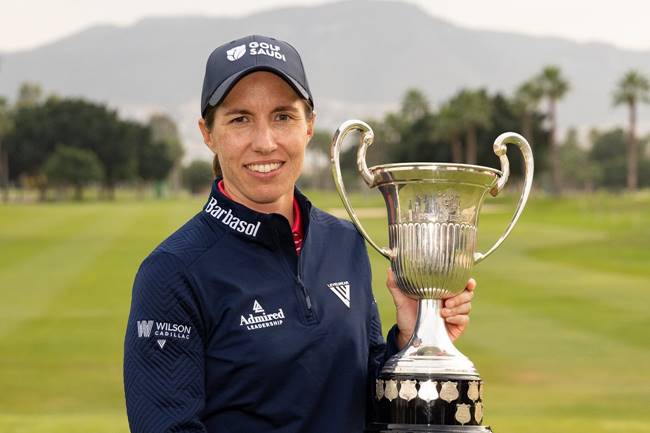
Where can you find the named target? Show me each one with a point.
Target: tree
(155, 159)
(29, 95)
(449, 128)
(79, 124)
(317, 159)
(164, 130)
(388, 137)
(197, 176)
(579, 170)
(414, 105)
(28, 145)
(553, 86)
(504, 117)
(73, 167)
(473, 108)
(6, 125)
(608, 151)
(632, 89)
(526, 100)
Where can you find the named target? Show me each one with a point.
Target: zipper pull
(305, 294)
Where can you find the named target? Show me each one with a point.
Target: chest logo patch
(259, 318)
(342, 290)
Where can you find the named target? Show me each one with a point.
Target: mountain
(360, 57)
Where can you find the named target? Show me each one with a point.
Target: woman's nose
(263, 140)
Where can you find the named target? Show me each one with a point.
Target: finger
(390, 280)
(471, 284)
(461, 320)
(399, 298)
(461, 298)
(462, 309)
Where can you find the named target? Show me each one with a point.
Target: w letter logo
(236, 53)
(144, 328)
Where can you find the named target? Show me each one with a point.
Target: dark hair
(209, 115)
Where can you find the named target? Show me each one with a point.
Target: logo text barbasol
(226, 217)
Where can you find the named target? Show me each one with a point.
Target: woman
(257, 315)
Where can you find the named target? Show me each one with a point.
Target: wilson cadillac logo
(259, 318)
(255, 49)
(163, 330)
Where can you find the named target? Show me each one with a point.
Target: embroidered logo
(163, 329)
(257, 308)
(236, 53)
(256, 49)
(226, 217)
(144, 328)
(342, 291)
(260, 319)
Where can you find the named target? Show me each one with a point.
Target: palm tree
(414, 105)
(474, 111)
(554, 86)
(527, 98)
(449, 128)
(633, 88)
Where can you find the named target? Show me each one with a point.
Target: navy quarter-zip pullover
(231, 332)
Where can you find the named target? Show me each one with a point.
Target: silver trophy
(433, 211)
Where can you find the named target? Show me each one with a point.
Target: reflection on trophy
(433, 211)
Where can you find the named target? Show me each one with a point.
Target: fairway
(559, 328)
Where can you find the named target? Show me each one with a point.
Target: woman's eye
(240, 119)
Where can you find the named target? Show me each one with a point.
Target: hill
(360, 56)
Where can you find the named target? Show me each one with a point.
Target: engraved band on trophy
(433, 211)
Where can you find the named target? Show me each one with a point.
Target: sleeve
(380, 351)
(164, 351)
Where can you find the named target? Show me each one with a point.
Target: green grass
(559, 330)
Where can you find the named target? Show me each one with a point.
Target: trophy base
(415, 399)
(410, 428)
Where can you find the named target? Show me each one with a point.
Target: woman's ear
(310, 126)
(205, 132)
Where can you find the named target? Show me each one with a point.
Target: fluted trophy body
(432, 223)
(433, 211)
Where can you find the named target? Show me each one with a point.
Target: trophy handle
(367, 137)
(500, 150)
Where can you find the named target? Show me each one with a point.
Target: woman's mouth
(264, 168)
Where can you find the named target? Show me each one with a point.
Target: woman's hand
(455, 310)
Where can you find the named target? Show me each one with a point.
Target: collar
(222, 212)
(296, 226)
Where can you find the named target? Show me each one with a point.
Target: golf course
(560, 328)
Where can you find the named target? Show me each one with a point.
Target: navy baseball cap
(230, 62)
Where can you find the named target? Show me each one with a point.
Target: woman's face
(259, 133)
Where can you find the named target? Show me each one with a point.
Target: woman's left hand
(455, 310)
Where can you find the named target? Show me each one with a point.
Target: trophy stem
(430, 336)
(430, 350)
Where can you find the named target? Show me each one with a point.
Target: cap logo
(236, 53)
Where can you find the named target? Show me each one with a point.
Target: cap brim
(225, 87)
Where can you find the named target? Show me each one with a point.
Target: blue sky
(28, 23)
